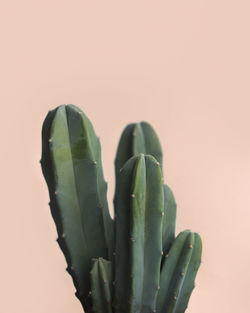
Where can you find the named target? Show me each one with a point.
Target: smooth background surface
(181, 65)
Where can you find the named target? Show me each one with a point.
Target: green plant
(134, 263)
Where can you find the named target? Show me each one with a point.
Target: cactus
(132, 264)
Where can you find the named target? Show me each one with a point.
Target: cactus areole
(133, 263)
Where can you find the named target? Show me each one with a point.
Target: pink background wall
(181, 65)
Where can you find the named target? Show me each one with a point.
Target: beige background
(181, 65)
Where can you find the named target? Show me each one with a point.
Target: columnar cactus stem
(139, 203)
(141, 138)
(178, 273)
(71, 163)
(101, 286)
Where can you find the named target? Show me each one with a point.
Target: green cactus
(132, 264)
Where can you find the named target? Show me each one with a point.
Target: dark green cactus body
(141, 138)
(139, 203)
(151, 271)
(71, 163)
(178, 273)
(101, 286)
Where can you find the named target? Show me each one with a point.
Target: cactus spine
(133, 264)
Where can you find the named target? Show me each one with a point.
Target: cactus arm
(141, 138)
(101, 286)
(178, 273)
(152, 144)
(124, 150)
(188, 284)
(168, 232)
(135, 139)
(138, 207)
(72, 169)
(95, 149)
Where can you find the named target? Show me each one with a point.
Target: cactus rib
(178, 273)
(71, 164)
(138, 224)
(101, 286)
